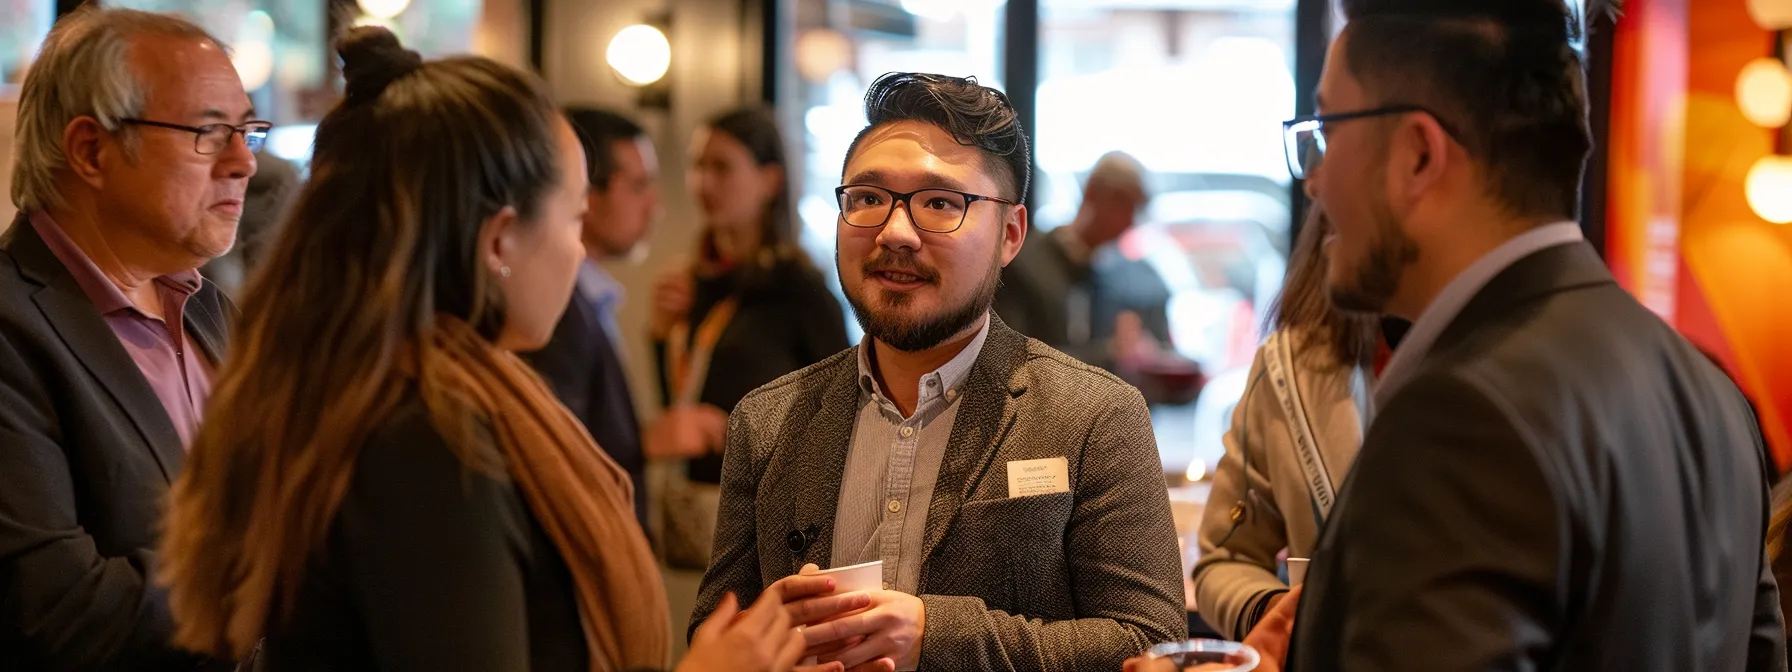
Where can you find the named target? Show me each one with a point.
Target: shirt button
(951, 394)
(886, 585)
(933, 382)
(895, 505)
(907, 432)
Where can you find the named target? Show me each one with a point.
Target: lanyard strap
(1319, 482)
(690, 356)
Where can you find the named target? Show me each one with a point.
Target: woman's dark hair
(974, 115)
(337, 322)
(757, 129)
(1305, 311)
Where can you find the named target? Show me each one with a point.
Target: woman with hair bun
(384, 484)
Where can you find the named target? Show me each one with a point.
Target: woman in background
(384, 485)
(1263, 500)
(750, 309)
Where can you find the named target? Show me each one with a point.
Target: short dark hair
(974, 115)
(1505, 76)
(599, 131)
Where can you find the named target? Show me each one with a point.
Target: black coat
(1565, 484)
(87, 454)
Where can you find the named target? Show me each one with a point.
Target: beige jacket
(1236, 574)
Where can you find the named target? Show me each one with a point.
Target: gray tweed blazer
(1069, 581)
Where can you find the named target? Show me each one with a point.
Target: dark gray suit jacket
(1566, 484)
(86, 458)
(1069, 581)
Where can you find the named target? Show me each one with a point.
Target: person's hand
(892, 629)
(1148, 664)
(760, 639)
(672, 296)
(686, 431)
(1131, 344)
(1271, 635)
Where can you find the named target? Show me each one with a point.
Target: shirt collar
(1456, 295)
(597, 285)
(943, 382)
(106, 297)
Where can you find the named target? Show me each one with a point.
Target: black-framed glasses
(941, 210)
(1303, 138)
(213, 138)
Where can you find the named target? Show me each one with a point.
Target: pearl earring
(504, 271)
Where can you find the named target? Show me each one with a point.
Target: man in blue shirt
(583, 361)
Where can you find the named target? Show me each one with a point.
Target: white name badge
(1038, 477)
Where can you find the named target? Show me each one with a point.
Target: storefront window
(844, 45)
(281, 49)
(26, 24)
(1196, 91)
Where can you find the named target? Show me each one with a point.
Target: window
(1196, 90)
(23, 31)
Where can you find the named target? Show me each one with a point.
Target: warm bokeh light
(383, 9)
(1764, 92)
(640, 54)
(821, 52)
(1771, 14)
(253, 51)
(1197, 470)
(1770, 188)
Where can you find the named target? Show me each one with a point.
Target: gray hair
(82, 71)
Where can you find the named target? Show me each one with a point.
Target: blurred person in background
(271, 189)
(750, 309)
(583, 362)
(135, 146)
(1267, 495)
(1554, 478)
(1012, 494)
(385, 485)
(1051, 292)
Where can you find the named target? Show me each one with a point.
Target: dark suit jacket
(86, 458)
(580, 363)
(431, 565)
(1078, 580)
(1566, 484)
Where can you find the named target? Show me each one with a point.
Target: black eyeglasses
(213, 138)
(942, 210)
(1303, 138)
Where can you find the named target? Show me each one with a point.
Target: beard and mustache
(881, 312)
(1377, 277)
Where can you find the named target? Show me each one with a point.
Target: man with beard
(1555, 480)
(1012, 493)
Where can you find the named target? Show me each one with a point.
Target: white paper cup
(1297, 571)
(866, 576)
(851, 579)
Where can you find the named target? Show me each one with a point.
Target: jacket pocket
(1026, 538)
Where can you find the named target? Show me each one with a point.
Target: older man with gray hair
(134, 147)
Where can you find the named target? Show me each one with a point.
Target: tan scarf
(582, 498)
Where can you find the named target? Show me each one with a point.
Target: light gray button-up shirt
(891, 467)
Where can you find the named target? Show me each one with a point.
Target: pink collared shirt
(180, 377)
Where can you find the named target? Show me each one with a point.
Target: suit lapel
(207, 321)
(825, 437)
(67, 309)
(984, 418)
